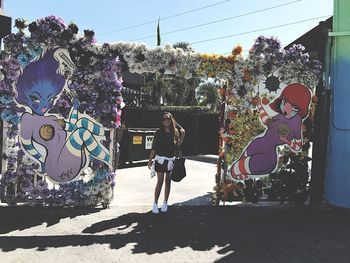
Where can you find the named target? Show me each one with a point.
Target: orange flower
(232, 132)
(221, 92)
(255, 101)
(265, 101)
(225, 139)
(231, 114)
(246, 75)
(237, 50)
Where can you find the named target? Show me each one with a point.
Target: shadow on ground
(239, 234)
(20, 218)
(205, 200)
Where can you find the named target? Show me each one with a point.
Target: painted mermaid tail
(86, 132)
(84, 138)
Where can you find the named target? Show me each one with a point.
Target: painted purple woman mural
(260, 156)
(61, 147)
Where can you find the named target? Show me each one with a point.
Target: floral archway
(93, 76)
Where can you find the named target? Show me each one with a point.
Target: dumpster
(136, 144)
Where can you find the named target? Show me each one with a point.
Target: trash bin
(136, 144)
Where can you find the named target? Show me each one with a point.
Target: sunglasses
(166, 119)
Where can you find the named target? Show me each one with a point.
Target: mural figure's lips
(43, 110)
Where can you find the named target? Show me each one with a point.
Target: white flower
(88, 174)
(26, 160)
(88, 192)
(10, 142)
(188, 75)
(94, 190)
(11, 151)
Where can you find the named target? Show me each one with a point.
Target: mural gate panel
(60, 98)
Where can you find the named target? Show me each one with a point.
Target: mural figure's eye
(283, 102)
(295, 109)
(34, 99)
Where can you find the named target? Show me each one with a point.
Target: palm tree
(185, 46)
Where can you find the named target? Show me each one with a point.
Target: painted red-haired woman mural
(260, 156)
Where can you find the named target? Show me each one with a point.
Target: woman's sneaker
(155, 209)
(164, 208)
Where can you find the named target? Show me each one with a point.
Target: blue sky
(107, 17)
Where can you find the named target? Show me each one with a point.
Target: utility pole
(337, 179)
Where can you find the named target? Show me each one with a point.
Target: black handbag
(179, 170)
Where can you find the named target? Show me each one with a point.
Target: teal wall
(337, 180)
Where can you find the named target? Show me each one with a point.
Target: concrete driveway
(190, 232)
(135, 187)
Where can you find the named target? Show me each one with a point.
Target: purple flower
(41, 185)
(4, 64)
(4, 87)
(21, 197)
(55, 193)
(45, 193)
(14, 64)
(35, 193)
(20, 153)
(10, 200)
(6, 178)
(13, 178)
(106, 107)
(2, 189)
(32, 27)
(112, 178)
(20, 171)
(316, 65)
(26, 186)
(12, 75)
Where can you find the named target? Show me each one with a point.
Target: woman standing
(163, 150)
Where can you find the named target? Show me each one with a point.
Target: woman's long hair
(173, 128)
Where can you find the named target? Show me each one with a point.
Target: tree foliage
(207, 95)
(172, 89)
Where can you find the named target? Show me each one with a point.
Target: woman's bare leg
(167, 187)
(160, 179)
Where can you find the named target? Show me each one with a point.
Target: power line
(257, 30)
(165, 18)
(220, 20)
